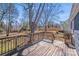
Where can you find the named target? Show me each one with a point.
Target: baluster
(5, 44)
(38, 37)
(11, 44)
(16, 43)
(8, 44)
(33, 37)
(1, 46)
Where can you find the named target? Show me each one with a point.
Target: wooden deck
(46, 48)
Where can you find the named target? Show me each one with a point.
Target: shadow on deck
(47, 48)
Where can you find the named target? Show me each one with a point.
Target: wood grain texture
(43, 48)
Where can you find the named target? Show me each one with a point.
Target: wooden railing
(48, 29)
(11, 44)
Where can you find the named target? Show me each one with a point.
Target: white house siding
(76, 36)
(76, 32)
(74, 12)
(72, 27)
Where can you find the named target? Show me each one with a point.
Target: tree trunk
(30, 16)
(30, 21)
(7, 33)
(45, 28)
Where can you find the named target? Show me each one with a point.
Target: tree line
(35, 14)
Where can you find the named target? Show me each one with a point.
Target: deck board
(43, 48)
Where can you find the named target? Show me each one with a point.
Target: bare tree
(9, 13)
(38, 11)
(51, 12)
(30, 15)
(33, 22)
(34, 11)
(12, 15)
(3, 11)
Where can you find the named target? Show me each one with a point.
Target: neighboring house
(74, 24)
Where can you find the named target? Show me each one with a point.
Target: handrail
(16, 42)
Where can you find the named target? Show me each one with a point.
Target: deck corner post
(30, 41)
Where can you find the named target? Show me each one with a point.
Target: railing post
(5, 44)
(16, 44)
(38, 36)
(30, 41)
(1, 47)
(43, 35)
(53, 37)
(32, 38)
